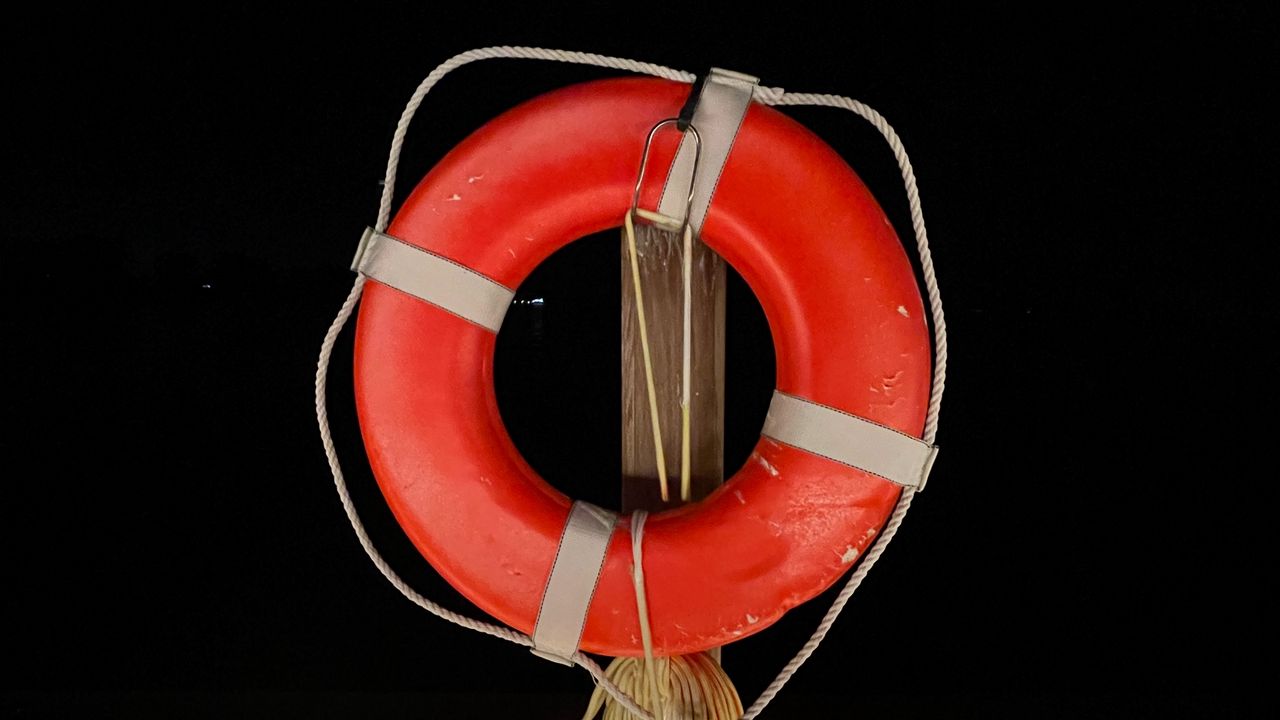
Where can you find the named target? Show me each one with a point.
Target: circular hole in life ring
(557, 370)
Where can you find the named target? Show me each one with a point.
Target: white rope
(470, 56)
(770, 96)
(348, 306)
(776, 96)
(677, 687)
(642, 611)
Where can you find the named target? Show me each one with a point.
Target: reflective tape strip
(572, 582)
(849, 439)
(726, 95)
(433, 279)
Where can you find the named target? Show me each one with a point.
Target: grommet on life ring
(851, 340)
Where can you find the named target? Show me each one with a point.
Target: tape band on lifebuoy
(849, 439)
(426, 276)
(572, 582)
(721, 105)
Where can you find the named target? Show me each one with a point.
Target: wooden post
(660, 277)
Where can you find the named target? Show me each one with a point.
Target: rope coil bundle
(680, 687)
(771, 96)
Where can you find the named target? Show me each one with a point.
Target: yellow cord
(685, 460)
(648, 361)
(686, 367)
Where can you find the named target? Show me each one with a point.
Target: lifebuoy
(848, 324)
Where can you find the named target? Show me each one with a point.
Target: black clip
(685, 119)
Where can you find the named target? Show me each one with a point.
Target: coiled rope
(768, 96)
(680, 687)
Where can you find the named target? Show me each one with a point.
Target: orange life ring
(847, 320)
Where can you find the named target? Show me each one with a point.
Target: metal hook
(654, 216)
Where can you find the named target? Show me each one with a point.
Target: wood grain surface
(660, 272)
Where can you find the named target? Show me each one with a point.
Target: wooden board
(662, 284)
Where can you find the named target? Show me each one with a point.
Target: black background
(180, 206)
